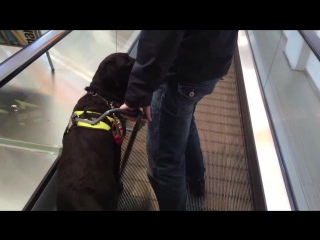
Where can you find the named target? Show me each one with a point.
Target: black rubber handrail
(15, 64)
(313, 41)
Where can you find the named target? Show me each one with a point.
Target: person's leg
(195, 169)
(172, 112)
(193, 154)
(194, 161)
(165, 139)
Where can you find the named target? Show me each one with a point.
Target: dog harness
(110, 124)
(89, 115)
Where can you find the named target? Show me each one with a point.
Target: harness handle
(131, 113)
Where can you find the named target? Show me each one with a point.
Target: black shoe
(197, 188)
(120, 187)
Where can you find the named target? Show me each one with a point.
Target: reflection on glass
(21, 171)
(290, 78)
(125, 39)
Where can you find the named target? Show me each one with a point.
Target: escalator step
(228, 185)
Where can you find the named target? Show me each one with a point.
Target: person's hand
(146, 111)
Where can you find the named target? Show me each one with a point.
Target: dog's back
(89, 162)
(85, 173)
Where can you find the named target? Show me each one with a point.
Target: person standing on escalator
(174, 70)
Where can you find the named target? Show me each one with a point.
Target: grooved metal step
(228, 185)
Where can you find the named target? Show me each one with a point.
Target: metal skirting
(228, 186)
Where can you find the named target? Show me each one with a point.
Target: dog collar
(112, 104)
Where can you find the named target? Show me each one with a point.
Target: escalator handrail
(15, 64)
(313, 41)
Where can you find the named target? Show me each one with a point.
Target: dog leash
(133, 136)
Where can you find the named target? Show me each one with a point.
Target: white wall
(301, 58)
(313, 68)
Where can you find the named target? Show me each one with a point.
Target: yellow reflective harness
(108, 123)
(99, 125)
(102, 125)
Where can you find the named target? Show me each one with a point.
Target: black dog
(88, 170)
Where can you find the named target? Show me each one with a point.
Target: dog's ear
(113, 73)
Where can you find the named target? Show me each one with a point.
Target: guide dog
(88, 168)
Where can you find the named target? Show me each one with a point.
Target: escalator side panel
(254, 170)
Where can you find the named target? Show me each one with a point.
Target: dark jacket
(178, 55)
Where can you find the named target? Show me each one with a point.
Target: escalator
(228, 187)
(221, 130)
(233, 181)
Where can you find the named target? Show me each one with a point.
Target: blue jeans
(173, 144)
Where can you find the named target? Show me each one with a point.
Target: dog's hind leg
(83, 202)
(63, 204)
(91, 203)
(88, 203)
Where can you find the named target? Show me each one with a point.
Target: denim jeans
(173, 145)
